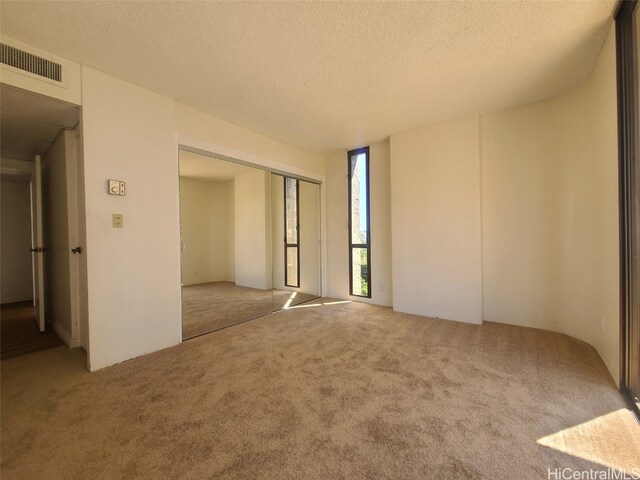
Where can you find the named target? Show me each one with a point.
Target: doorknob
(76, 250)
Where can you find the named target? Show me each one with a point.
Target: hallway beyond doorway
(19, 333)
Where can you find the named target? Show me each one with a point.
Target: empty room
(316, 240)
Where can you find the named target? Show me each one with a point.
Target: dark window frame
(367, 245)
(292, 245)
(628, 141)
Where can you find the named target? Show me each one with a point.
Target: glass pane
(291, 208)
(360, 271)
(292, 267)
(359, 198)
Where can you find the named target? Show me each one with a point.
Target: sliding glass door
(627, 23)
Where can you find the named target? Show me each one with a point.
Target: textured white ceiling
(327, 75)
(201, 167)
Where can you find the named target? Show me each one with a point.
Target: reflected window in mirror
(291, 236)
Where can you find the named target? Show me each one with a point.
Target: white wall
(207, 230)
(550, 213)
(15, 242)
(133, 272)
(267, 151)
(436, 226)
(252, 230)
(337, 226)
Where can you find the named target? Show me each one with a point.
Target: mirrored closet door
(250, 242)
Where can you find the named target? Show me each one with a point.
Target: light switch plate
(117, 220)
(122, 188)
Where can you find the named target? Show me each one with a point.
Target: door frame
(78, 335)
(37, 244)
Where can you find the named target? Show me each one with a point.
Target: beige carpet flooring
(342, 391)
(211, 306)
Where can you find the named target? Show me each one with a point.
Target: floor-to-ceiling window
(359, 226)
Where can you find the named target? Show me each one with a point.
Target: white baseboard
(65, 336)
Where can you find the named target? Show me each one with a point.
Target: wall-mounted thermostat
(115, 187)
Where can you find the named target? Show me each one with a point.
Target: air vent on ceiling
(30, 63)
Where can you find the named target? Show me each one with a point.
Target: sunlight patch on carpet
(307, 305)
(578, 441)
(291, 298)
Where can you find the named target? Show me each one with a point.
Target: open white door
(36, 243)
(64, 260)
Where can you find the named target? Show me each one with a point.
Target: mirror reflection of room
(250, 242)
(225, 274)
